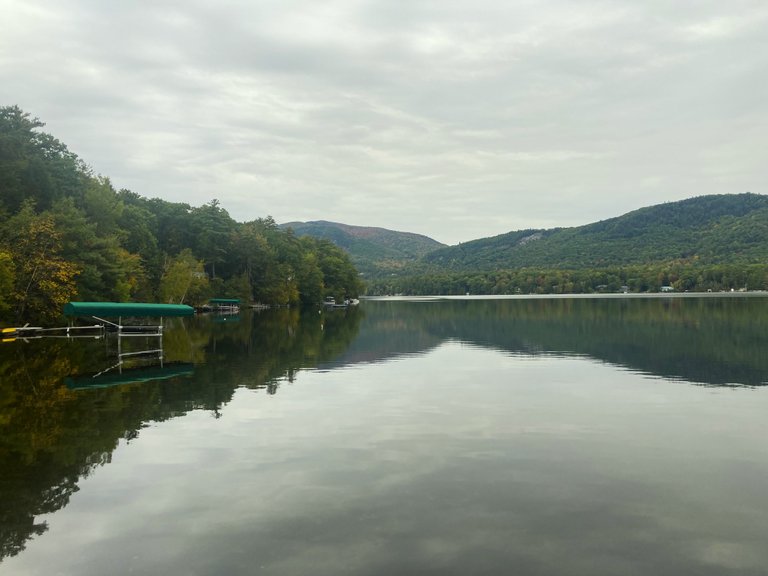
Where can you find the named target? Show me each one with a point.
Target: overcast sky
(449, 118)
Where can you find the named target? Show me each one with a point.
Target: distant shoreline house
(667, 289)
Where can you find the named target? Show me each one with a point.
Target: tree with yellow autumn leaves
(40, 280)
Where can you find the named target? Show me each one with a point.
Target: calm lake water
(572, 436)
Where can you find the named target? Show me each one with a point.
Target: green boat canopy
(132, 309)
(229, 301)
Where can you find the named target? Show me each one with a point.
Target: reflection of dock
(27, 332)
(120, 371)
(129, 376)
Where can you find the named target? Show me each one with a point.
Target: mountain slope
(371, 249)
(706, 229)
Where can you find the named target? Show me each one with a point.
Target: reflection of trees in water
(51, 436)
(702, 340)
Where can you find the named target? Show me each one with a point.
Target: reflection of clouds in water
(433, 524)
(462, 461)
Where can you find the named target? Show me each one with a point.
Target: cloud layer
(450, 118)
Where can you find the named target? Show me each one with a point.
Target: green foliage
(67, 234)
(34, 165)
(680, 276)
(42, 279)
(238, 287)
(212, 229)
(184, 280)
(7, 281)
(341, 280)
(310, 278)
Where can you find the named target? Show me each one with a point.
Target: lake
(551, 436)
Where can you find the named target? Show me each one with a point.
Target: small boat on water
(330, 302)
(223, 305)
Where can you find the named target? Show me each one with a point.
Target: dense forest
(678, 276)
(68, 234)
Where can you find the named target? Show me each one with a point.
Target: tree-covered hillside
(372, 250)
(67, 234)
(715, 229)
(710, 243)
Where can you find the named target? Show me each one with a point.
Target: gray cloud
(453, 119)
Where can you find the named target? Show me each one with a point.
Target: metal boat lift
(100, 311)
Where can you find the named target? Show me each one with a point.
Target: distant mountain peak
(371, 248)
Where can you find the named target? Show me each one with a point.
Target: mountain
(372, 250)
(726, 228)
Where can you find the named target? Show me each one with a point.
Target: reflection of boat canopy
(130, 376)
(131, 309)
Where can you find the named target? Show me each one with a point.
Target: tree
(339, 276)
(310, 280)
(7, 281)
(34, 165)
(108, 271)
(238, 287)
(212, 232)
(43, 280)
(252, 253)
(184, 280)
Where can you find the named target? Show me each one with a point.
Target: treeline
(67, 234)
(680, 276)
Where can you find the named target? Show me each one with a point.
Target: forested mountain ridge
(371, 249)
(712, 229)
(67, 234)
(716, 242)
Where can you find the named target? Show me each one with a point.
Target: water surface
(541, 436)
